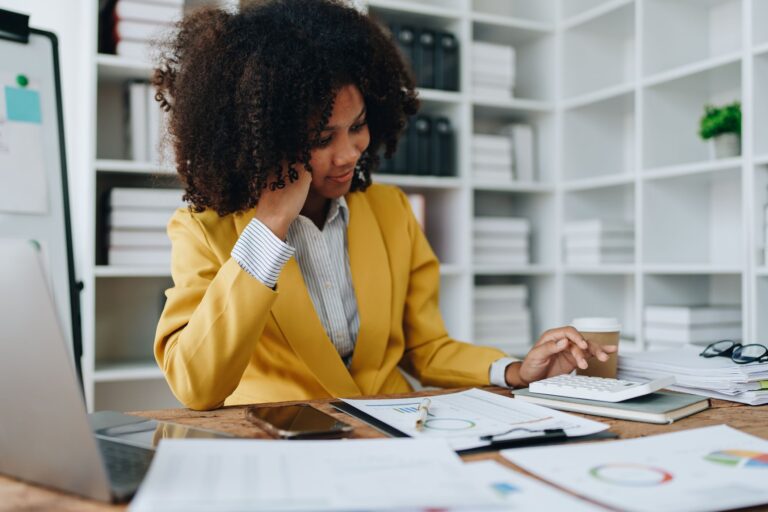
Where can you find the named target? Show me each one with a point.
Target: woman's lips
(342, 178)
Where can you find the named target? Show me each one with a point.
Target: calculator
(597, 388)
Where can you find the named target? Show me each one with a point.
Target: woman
(294, 276)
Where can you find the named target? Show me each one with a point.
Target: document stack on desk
(716, 377)
(501, 240)
(674, 326)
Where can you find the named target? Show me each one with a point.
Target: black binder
(424, 61)
(442, 147)
(401, 158)
(405, 38)
(447, 62)
(421, 162)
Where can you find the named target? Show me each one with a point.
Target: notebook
(659, 407)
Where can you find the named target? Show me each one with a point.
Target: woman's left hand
(558, 351)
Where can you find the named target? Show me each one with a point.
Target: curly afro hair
(248, 94)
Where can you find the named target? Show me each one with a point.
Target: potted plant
(722, 127)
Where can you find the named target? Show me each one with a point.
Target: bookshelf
(614, 90)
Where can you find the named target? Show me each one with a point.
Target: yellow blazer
(226, 338)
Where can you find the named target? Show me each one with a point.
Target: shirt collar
(338, 207)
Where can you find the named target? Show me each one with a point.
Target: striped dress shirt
(323, 259)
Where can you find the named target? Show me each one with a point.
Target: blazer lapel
(371, 278)
(297, 320)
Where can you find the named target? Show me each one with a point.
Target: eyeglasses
(739, 354)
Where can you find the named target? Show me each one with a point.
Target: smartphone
(296, 422)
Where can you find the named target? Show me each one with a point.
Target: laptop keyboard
(126, 464)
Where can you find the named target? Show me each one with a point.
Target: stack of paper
(145, 125)
(595, 242)
(505, 156)
(493, 70)
(672, 326)
(717, 377)
(502, 317)
(138, 23)
(501, 240)
(137, 221)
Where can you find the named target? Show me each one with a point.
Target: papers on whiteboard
(372, 474)
(23, 187)
(466, 416)
(711, 468)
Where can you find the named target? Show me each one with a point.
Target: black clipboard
(492, 446)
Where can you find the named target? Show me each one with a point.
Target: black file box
(424, 59)
(421, 162)
(442, 147)
(447, 62)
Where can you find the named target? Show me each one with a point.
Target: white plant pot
(727, 145)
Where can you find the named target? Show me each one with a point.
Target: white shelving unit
(614, 90)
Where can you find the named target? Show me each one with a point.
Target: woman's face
(341, 144)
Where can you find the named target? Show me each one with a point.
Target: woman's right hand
(278, 207)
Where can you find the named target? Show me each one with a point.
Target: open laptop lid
(45, 436)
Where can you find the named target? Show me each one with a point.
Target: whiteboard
(33, 114)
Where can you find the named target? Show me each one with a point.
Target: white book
(500, 176)
(599, 240)
(139, 238)
(139, 219)
(499, 307)
(692, 315)
(506, 152)
(492, 160)
(508, 317)
(703, 334)
(501, 225)
(503, 243)
(142, 256)
(493, 51)
(486, 92)
(501, 291)
(484, 142)
(147, 12)
(137, 50)
(598, 226)
(598, 259)
(523, 143)
(598, 245)
(483, 78)
(152, 198)
(143, 31)
(137, 120)
(491, 170)
(153, 125)
(486, 258)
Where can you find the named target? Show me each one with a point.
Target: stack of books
(596, 242)
(137, 221)
(129, 27)
(501, 240)
(145, 126)
(502, 317)
(493, 70)
(505, 156)
(673, 326)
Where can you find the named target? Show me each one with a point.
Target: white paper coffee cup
(602, 331)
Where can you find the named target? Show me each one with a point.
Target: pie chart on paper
(739, 458)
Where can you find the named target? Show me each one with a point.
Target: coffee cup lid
(596, 324)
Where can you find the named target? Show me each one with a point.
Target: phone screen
(297, 420)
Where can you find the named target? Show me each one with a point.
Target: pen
(423, 411)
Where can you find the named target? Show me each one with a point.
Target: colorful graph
(631, 475)
(504, 489)
(448, 424)
(739, 458)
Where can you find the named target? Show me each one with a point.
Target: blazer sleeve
(430, 354)
(213, 317)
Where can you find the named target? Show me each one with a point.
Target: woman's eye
(324, 142)
(356, 128)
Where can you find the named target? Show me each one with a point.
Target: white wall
(71, 21)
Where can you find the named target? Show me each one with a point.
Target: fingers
(568, 333)
(580, 349)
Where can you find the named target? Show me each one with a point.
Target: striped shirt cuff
(261, 253)
(498, 369)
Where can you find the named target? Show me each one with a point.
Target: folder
(442, 148)
(447, 62)
(424, 59)
(405, 38)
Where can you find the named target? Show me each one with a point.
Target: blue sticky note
(22, 105)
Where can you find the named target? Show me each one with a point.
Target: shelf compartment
(489, 120)
(539, 209)
(121, 371)
(134, 395)
(127, 311)
(694, 220)
(760, 192)
(599, 139)
(442, 213)
(591, 10)
(760, 105)
(761, 303)
(759, 27)
(601, 296)
(600, 53)
(672, 111)
(687, 31)
(534, 58)
(455, 300)
(541, 12)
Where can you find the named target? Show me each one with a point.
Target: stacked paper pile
(138, 22)
(501, 240)
(137, 222)
(493, 70)
(502, 317)
(765, 235)
(595, 242)
(506, 156)
(145, 125)
(672, 326)
(716, 377)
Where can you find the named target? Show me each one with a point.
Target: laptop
(45, 434)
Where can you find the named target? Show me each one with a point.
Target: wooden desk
(15, 495)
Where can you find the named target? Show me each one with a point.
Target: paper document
(466, 416)
(23, 185)
(711, 468)
(371, 474)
